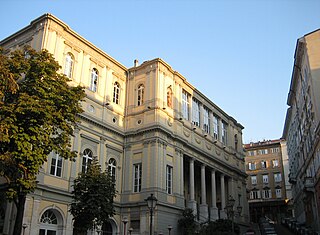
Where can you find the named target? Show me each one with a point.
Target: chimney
(136, 63)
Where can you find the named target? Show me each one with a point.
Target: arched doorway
(109, 228)
(51, 223)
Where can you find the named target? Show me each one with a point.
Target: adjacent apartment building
(154, 131)
(266, 184)
(302, 130)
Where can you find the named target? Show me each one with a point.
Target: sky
(238, 53)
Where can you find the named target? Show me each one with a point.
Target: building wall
(264, 159)
(301, 129)
(152, 131)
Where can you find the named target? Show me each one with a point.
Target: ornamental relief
(197, 140)
(186, 133)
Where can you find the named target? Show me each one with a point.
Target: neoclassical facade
(149, 126)
(302, 130)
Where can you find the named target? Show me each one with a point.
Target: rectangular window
(185, 105)
(137, 169)
(265, 179)
(195, 112)
(252, 166)
(224, 133)
(251, 153)
(277, 177)
(278, 192)
(215, 127)
(253, 179)
(255, 194)
(275, 163)
(263, 164)
(56, 165)
(266, 194)
(169, 179)
(206, 120)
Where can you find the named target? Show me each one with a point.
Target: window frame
(195, 112)
(54, 167)
(87, 155)
(116, 93)
(112, 167)
(206, 119)
(137, 177)
(265, 178)
(169, 174)
(140, 95)
(185, 105)
(94, 80)
(68, 66)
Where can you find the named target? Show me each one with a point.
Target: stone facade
(302, 131)
(267, 184)
(152, 129)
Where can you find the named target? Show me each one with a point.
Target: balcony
(309, 184)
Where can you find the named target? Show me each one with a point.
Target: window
(68, 65)
(56, 165)
(224, 133)
(277, 177)
(49, 223)
(278, 193)
(112, 165)
(263, 164)
(253, 179)
(86, 159)
(206, 120)
(195, 112)
(252, 166)
(169, 179)
(185, 105)
(215, 127)
(262, 151)
(266, 193)
(116, 93)
(94, 80)
(137, 169)
(255, 194)
(140, 94)
(251, 153)
(169, 97)
(274, 150)
(265, 179)
(275, 163)
(236, 142)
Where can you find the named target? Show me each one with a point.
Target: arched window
(116, 93)
(169, 97)
(140, 94)
(49, 224)
(86, 159)
(94, 80)
(68, 65)
(112, 164)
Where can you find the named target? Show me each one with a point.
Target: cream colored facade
(154, 130)
(302, 130)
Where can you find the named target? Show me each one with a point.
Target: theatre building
(155, 132)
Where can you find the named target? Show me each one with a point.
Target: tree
(93, 193)
(188, 222)
(38, 110)
(219, 227)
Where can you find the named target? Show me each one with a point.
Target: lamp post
(169, 229)
(231, 212)
(152, 202)
(24, 226)
(130, 230)
(124, 221)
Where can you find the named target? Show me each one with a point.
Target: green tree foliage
(38, 110)
(93, 196)
(188, 222)
(219, 227)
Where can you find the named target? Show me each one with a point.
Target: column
(223, 214)
(192, 202)
(214, 210)
(203, 206)
(76, 147)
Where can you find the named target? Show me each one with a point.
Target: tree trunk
(19, 217)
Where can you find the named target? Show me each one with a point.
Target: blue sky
(238, 53)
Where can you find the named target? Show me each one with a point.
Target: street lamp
(130, 230)
(230, 211)
(169, 229)
(152, 202)
(124, 221)
(24, 226)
